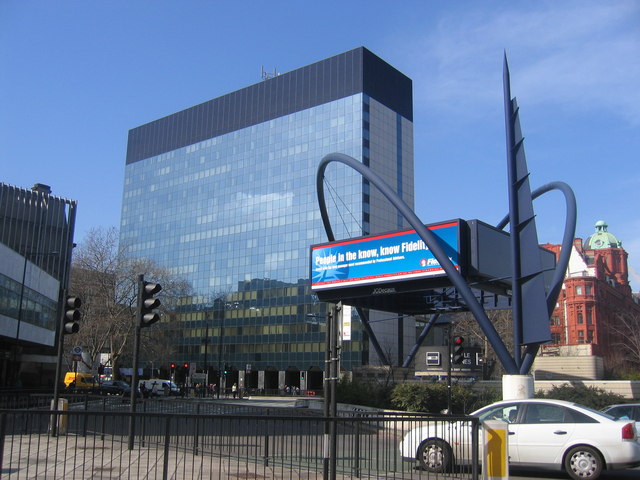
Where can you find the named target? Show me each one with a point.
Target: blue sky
(75, 76)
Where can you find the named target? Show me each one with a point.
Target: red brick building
(595, 291)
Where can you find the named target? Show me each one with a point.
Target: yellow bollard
(495, 450)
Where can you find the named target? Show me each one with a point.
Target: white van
(157, 386)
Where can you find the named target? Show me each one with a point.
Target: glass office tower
(223, 194)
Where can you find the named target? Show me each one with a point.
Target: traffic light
(457, 356)
(226, 368)
(147, 303)
(186, 365)
(72, 315)
(173, 367)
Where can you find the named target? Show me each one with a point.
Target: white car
(549, 434)
(625, 411)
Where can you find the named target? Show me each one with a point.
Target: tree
(105, 278)
(625, 330)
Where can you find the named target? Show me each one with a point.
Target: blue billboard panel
(390, 257)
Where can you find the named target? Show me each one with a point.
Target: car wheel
(583, 463)
(435, 455)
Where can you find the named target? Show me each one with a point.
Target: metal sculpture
(531, 307)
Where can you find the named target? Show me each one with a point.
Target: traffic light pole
(134, 388)
(69, 317)
(134, 373)
(145, 317)
(56, 383)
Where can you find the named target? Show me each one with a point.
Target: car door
(541, 434)
(507, 413)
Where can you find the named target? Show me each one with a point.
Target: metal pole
(449, 335)
(134, 373)
(334, 387)
(56, 383)
(327, 397)
(134, 387)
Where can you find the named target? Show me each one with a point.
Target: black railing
(190, 442)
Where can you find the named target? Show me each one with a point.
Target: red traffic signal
(173, 365)
(457, 357)
(186, 365)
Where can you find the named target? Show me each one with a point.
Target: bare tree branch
(105, 278)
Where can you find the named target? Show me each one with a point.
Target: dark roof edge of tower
(342, 75)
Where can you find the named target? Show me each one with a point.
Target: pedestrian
(143, 390)
(234, 390)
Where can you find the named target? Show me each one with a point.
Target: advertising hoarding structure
(396, 272)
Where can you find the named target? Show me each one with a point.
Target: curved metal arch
(429, 239)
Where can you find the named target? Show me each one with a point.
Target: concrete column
(517, 387)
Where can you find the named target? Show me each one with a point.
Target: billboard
(390, 257)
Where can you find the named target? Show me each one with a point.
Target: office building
(36, 239)
(223, 194)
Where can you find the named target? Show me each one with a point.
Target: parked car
(625, 411)
(548, 434)
(115, 387)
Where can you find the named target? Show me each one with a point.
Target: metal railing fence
(94, 444)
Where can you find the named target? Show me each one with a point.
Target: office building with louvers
(223, 194)
(36, 241)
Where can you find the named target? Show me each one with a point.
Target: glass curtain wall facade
(223, 194)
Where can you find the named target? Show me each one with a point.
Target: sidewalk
(45, 457)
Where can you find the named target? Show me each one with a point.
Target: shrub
(420, 397)
(432, 397)
(593, 397)
(363, 393)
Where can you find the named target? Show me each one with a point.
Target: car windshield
(505, 412)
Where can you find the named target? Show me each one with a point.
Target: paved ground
(73, 456)
(48, 458)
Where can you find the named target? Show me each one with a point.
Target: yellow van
(80, 380)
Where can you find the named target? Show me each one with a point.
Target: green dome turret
(602, 238)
